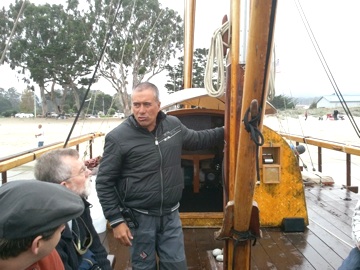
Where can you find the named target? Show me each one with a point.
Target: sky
(300, 72)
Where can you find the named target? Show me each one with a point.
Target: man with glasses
(33, 215)
(80, 246)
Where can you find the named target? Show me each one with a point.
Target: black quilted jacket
(145, 167)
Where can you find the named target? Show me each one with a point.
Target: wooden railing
(19, 159)
(339, 147)
(16, 160)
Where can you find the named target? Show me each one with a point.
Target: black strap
(251, 126)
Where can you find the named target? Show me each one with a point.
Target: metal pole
(34, 104)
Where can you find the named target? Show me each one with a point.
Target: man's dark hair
(10, 248)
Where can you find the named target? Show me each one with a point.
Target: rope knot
(251, 127)
(243, 236)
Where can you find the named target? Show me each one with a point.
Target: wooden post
(190, 6)
(259, 48)
(232, 105)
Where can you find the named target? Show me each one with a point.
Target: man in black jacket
(79, 239)
(140, 180)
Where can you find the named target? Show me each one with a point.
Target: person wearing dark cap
(32, 218)
(79, 243)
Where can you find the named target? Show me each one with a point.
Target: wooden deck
(324, 244)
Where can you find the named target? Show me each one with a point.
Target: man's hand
(123, 234)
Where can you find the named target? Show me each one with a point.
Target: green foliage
(60, 45)
(12, 96)
(283, 102)
(27, 101)
(8, 113)
(111, 111)
(5, 105)
(144, 38)
(175, 73)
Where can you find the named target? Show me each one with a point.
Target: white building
(332, 101)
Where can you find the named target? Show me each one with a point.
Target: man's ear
(64, 183)
(36, 245)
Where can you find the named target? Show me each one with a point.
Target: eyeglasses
(82, 171)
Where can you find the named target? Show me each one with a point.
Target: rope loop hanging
(216, 56)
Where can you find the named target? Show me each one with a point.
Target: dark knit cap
(31, 207)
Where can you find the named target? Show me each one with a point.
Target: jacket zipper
(166, 138)
(161, 175)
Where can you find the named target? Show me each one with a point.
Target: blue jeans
(352, 262)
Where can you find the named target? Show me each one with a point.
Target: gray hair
(50, 167)
(145, 86)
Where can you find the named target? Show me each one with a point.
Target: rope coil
(216, 55)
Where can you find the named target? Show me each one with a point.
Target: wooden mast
(232, 116)
(260, 42)
(189, 41)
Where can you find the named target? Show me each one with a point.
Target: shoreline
(18, 135)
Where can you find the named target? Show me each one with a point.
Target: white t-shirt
(40, 134)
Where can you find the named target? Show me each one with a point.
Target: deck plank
(299, 240)
(275, 256)
(343, 213)
(294, 256)
(342, 248)
(324, 244)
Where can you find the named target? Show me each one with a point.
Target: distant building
(332, 101)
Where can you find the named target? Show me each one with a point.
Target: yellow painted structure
(280, 193)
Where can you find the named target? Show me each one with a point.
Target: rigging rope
(326, 67)
(93, 77)
(12, 33)
(307, 148)
(216, 55)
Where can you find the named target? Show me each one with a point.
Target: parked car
(119, 115)
(52, 115)
(24, 115)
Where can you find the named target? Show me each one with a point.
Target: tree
(27, 101)
(176, 76)
(143, 40)
(58, 46)
(53, 45)
(5, 30)
(176, 73)
(12, 96)
(5, 105)
(99, 102)
(283, 102)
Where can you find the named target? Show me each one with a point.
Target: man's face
(79, 182)
(145, 108)
(46, 246)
